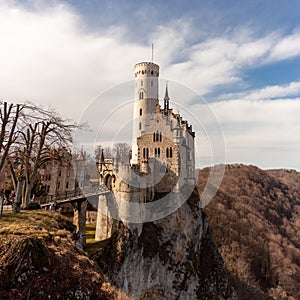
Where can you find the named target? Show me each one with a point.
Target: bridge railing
(71, 194)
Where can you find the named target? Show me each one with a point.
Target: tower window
(141, 111)
(142, 83)
(160, 137)
(158, 152)
(156, 136)
(170, 152)
(140, 125)
(153, 136)
(144, 153)
(155, 152)
(141, 95)
(151, 72)
(147, 152)
(167, 152)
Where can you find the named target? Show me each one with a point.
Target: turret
(146, 99)
(178, 131)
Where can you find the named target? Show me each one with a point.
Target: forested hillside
(254, 221)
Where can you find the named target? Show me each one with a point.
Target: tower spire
(166, 100)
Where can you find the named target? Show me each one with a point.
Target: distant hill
(254, 222)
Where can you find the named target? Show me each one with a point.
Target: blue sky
(243, 57)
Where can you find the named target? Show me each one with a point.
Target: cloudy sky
(242, 57)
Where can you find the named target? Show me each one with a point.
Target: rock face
(172, 258)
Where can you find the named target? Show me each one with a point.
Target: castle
(163, 153)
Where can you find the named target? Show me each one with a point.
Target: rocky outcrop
(172, 258)
(39, 261)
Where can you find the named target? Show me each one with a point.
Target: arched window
(141, 95)
(140, 125)
(157, 136)
(147, 152)
(170, 151)
(158, 152)
(153, 136)
(160, 136)
(167, 152)
(155, 152)
(144, 152)
(141, 111)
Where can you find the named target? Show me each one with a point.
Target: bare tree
(41, 131)
(9, 116)
(121, 151)
(107, 152)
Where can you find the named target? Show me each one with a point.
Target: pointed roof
(102, 156)
(166, 93)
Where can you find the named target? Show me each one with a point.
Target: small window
(59, 173)
(153, 136)
(152, 82)
(67, 185)
(140, 125)
(141, 95)
(167, 152)
(147, 152)
(170, 152)
(160, 136)
(142, 83)
(141, 111)
(155, 152)
(156, 136)
(144, 153)
(158, 152)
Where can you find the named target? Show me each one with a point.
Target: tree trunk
(18, 201)
(1, 205)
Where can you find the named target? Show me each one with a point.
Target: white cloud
(265, 133)
(48, 57)
(286, 47)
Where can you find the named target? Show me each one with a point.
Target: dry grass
(36, 223)
(91, 245)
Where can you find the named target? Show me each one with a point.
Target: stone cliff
(172, 258)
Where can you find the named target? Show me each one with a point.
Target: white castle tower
(146, 98)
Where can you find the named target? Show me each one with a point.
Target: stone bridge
(79, 200)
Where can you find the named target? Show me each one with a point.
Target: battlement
(147, 69)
